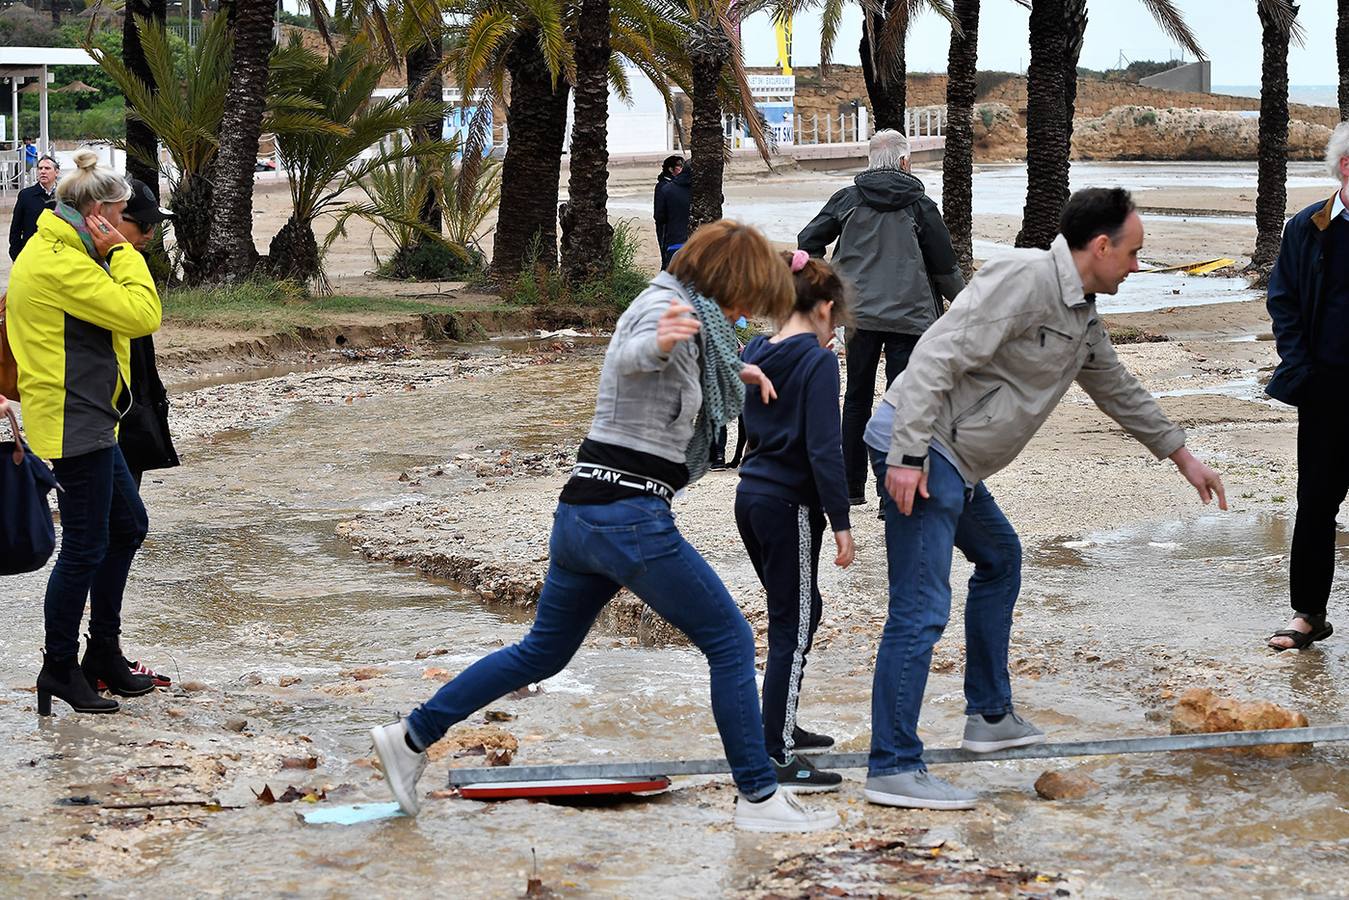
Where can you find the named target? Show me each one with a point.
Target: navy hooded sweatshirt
(795, 443)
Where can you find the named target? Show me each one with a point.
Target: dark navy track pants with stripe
(783, 539)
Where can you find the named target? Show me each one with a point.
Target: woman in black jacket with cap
(144, 432)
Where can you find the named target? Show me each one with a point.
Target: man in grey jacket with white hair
(894, 248)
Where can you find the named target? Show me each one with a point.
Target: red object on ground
(515, 790)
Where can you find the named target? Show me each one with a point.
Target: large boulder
(1201, 711)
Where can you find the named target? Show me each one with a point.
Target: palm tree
(419, 28)
(525, 41)
(586, 234)
(1278, 25)
(1342, 56)
(139, 135)
(323, 163)
(185, 116)
(885, 28)
(957, 171)
(1056, 31)
(235, 254)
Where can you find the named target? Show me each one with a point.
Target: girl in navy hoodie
(790, 480)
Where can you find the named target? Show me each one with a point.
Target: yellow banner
(783, 27)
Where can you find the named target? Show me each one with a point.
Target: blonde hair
(91, 183)
(735, 265)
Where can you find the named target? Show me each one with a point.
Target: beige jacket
(984, 378)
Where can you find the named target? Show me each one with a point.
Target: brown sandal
(1320, 630)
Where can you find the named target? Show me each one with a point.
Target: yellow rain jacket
(70, 327)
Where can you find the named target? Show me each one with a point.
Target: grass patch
(1129, 334)
(273, 306)
(540, 285)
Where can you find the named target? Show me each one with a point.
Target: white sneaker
(782, 812)
(402, 767)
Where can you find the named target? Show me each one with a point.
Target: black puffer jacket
(673, 198)
(893, 246)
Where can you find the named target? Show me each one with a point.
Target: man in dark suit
(32, 201)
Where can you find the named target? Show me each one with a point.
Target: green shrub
(986, 115)
(432, 261)
(1147, 117)
(538, 284)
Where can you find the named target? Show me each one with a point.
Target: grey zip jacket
(985, 377)
(894, 248)
(649, 400)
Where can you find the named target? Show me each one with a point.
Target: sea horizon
(1308, 94)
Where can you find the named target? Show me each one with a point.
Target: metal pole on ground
(1172, 743)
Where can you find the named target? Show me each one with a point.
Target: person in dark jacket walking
(31, 202)
(674, 196)
(894, 247)
(144, 432)
(791, 479)
(1309, 306)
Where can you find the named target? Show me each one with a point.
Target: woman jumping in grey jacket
(669, 380)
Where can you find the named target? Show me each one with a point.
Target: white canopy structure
(18, 64)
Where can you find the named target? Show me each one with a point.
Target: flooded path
(244, 587)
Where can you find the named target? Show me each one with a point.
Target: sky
(1227, 29)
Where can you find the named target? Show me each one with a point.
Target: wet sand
(1133, 592)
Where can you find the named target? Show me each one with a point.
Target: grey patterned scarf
(723, 392)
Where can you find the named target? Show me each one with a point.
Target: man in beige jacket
(980, 383)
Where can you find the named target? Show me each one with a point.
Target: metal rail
(1160, 744)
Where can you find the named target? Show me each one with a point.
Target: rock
(496, 744)
(193, 687)
(1055, 785)
(236, 724)
(1201, 711)
(288, 680)
(434, 651)
(435, 673)
(365, 673)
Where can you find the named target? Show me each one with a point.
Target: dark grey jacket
(893, 246)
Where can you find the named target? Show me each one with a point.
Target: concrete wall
(1195, 77)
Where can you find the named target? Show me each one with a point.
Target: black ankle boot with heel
(62, 677)
(104, 662)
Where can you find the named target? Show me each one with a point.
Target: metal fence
(923, 121)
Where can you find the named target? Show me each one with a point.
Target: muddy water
(243, 582)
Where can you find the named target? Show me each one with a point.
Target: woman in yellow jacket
(78, 293)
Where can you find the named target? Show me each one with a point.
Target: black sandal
(1320, 630)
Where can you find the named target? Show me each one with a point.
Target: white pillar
(16, 83)
(43, 144)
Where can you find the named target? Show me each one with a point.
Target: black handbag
(27, 534)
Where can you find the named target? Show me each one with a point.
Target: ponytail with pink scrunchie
(799, 260)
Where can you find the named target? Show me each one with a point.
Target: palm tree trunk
(587, 237)
(425, 80)
(888, 95)
(1075, 12)
(709, 51)
(957, 171)
(1271, 199)
(537, 121)
(1046, 137)
(141, 139)
(1342, 55)
(294, 253)
(56, 12)
(234, 254)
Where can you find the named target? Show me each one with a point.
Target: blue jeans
(918, 555)
(594, 550)
(103, 524)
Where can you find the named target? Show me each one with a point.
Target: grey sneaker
(983, 736)
(917, 790)
(402, 767)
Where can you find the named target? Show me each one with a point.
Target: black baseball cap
(142, 207)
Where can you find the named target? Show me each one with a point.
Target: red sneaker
(139, 668)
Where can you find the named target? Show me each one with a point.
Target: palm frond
(1172, 21)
